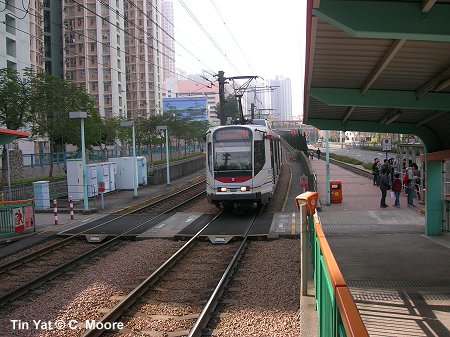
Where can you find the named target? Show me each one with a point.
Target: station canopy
(379, 66)
(7, 135)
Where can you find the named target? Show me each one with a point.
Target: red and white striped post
(55, 211)
(71, 207)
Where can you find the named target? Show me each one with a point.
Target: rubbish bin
(335, 191)
(41, 194)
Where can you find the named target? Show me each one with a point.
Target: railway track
(194, 279)
(19, 269)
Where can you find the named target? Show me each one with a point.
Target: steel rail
(142, 288)
(45, 250)
(12, 295)
(205, 315)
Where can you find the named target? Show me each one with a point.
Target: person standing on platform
(375, 171)
(384, 186)
(411, 187)
(397, 188)
(417, 180)
(318, 153)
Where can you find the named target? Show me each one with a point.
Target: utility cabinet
(112, 176)
(142, 170)
(124, 177)
(75, 179)
(41, 194)
(92, 182)
(103, 174)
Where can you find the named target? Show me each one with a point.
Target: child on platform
(397, 188)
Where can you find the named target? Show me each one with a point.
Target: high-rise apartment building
(94, 45)
(53, 42)
(16, 32)
(281, 98)
(143, 57)
(168, 42)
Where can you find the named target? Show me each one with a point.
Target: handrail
(349, 314)
(15, 202)
(336, 278)
(353, 324)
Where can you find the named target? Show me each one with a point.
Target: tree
(14, 104)
(51, 101)
(231, 108)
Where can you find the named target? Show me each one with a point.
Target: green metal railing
(337, 313)
(16, 217)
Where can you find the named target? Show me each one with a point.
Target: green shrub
(350, 160)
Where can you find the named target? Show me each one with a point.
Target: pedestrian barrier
(337, 313)
(16, 217)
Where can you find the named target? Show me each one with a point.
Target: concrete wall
(177, 170)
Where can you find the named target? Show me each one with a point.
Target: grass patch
(349, 160)
(346, 159)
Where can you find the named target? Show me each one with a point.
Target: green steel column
(433, 202)
(327, 159)
(83, 165)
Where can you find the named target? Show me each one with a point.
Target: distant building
(281, 98)
(15, 37)
(143, 58)
(53, 39)
(187, 88)
(93, 43)
(193, 108)
(168, 41)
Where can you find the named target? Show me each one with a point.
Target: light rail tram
(243, 163)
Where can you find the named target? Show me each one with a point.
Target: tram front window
(233, 160)
(232, 150)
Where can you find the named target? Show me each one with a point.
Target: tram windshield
(233, 149)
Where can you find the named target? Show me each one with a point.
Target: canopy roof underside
(379, 66)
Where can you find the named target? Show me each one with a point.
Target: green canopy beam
(387, 19)
(428, 137)
(382, 98)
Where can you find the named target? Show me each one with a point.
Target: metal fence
(59, 158)
(337, 313)
(57, 190)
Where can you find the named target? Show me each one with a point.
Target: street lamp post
(82, 115)
(131, 123)
(160, 128)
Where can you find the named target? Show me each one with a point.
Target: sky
(270, 38)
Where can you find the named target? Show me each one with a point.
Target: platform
(398, 277)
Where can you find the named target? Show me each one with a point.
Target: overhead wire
(118, 26)
(191, 14)
(134, 36)
(231, 34)
(169, 35)
(86, 57)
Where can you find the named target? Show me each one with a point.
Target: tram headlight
(221, 189)
(245, 188)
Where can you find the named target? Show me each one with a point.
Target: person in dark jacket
(318, 153)
(376, 171)
(384, 186)
(397, 188)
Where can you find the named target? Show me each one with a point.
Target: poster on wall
(29, 217)
(19, 221)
